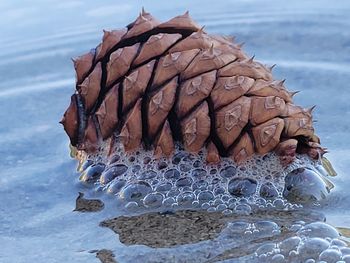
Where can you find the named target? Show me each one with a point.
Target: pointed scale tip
(251, 59)
(310, 110)
(230, 38)
(106, 33)
(281, 83)
(292, 93)
(62, 120)
(271, 68)
(201, 30)
(241, 44)
(141, 16)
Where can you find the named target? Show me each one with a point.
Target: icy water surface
(308, 40)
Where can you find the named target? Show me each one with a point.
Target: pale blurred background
(308, 40)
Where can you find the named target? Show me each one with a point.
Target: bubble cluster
(187, 181)
(314, 242)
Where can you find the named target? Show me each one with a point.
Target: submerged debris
(105, 256)
(88, 205)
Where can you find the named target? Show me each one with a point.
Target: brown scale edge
(173, 119)
(120, 97)
(145, 138)
(150, 96)
(149, 91)
(200, 102)
(213, 135)
(122, 43)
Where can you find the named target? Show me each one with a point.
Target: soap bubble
(135, 191)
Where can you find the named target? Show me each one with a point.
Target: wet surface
(308, 40)
(188, 227)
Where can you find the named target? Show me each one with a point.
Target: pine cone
(155, 83)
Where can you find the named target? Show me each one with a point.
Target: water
(308, 40)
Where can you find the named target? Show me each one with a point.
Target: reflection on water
(309, 41)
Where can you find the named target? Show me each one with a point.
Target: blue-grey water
(309, 40)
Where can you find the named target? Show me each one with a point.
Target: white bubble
(153, 200)
(337, 242)
(267, 227)
(211, 209)
(205, 206)
(221, 207)
(278, 258)
(243, 209)
(312, 247)
(330, 255)
(346, 258)
(345, 251)
(132, 206)
(167, 202)
(318, 229)
(265, 249)
(289, 244)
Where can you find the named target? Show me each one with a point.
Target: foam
(314, 242)
(187, 181)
